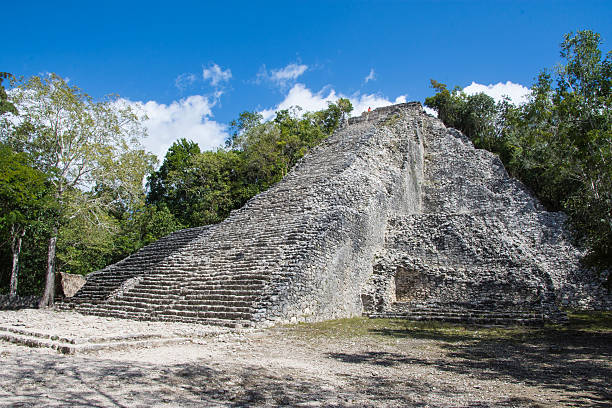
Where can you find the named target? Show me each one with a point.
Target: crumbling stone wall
(18, 302)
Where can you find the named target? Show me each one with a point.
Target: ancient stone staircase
(466, 315)
(103, 283)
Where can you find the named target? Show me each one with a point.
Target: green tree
(581, 132)
(169, 185)
(6, 106)
(80, 144)
(176, 164)
(240, 126)
(23, 199)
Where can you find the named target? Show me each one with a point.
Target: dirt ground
(351, 362)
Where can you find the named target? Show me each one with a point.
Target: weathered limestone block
(69, 284)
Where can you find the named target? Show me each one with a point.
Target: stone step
(470, 316)
(138, 302)
(224, 291)
(134, 308)
(233, 323)
(401, 307)
(201, 288)
(461, 319)
(216, 307)
(154, 292)
(72, 340)
(468, 313)
(199, 315)
(72, 346)
(216, 302)
(248, 297)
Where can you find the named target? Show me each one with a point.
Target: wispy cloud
(185, 80)
(371, 76)
(212, 74)
(216, 75)
(281, 77)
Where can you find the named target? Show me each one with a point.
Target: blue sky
(194, 66)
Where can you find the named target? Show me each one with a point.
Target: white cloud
(430, 111)
(189, 118)
(311, 101)
(517, 93)
(281, 77)
(216, 75)
(303, 97)
(371, 76)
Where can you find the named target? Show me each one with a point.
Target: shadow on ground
(575, 363)
(65, 381)
(55, 380)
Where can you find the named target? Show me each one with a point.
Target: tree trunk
(49, 294)
(17, 234)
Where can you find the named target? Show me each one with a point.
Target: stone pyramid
(393, 215)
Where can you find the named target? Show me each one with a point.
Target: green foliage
(139, 228)
(176, 165)
(85, 239)
(24, 203)
(23, 189)
(88, 152)
(559, 143)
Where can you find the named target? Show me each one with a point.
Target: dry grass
(580, 324)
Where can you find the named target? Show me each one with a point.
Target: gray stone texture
(392, 215)
(68, 284)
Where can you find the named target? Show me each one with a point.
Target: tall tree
(162, 184)
(23, 193)
(79, 143)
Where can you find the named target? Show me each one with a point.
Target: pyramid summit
(393, 215)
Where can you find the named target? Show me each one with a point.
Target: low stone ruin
(393, 215)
